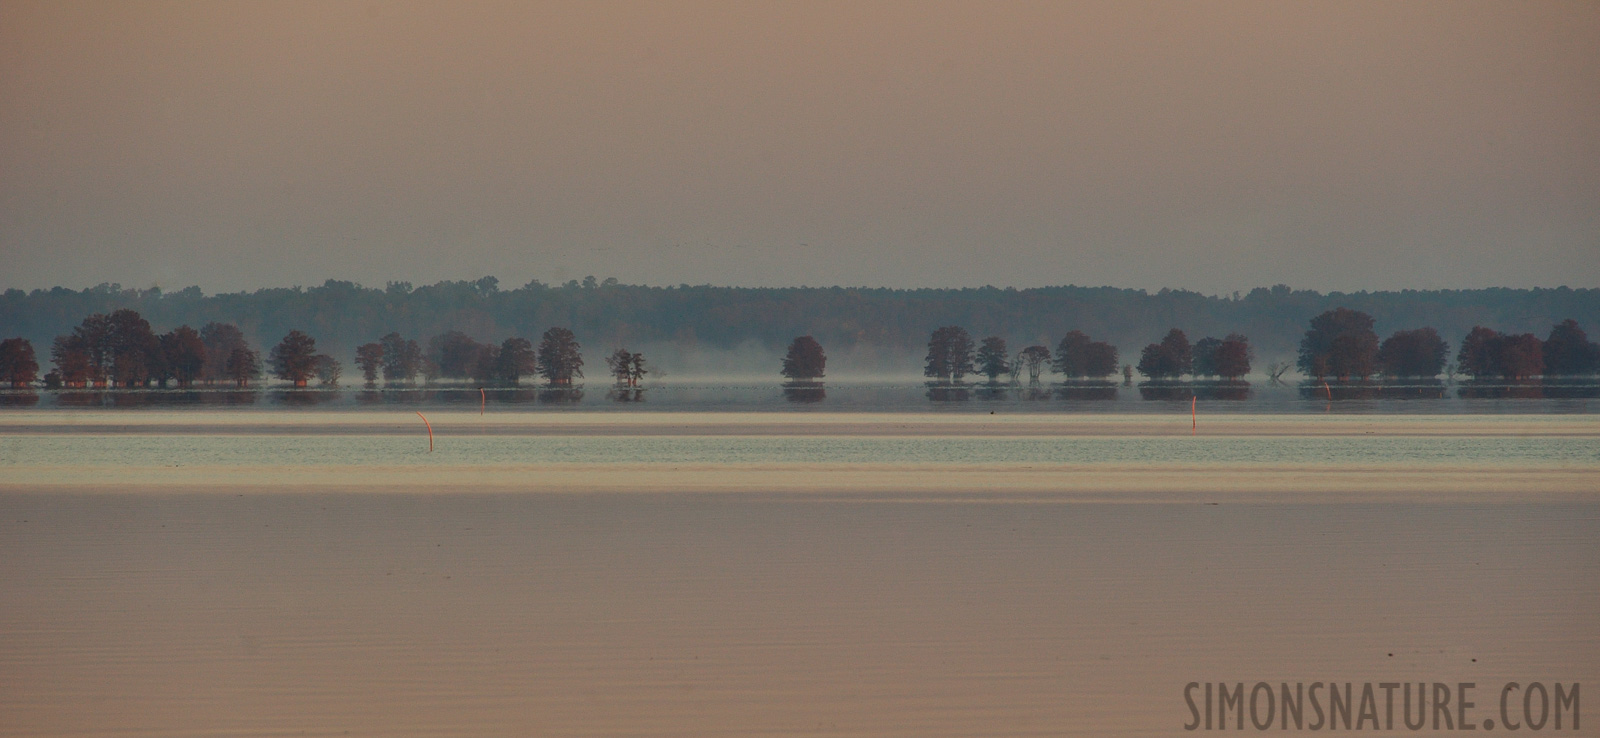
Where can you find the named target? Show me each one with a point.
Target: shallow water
(904, 396)
(273, 573)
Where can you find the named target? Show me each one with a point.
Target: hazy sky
(1208, 146)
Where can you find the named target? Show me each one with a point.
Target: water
(1432, 398)
(173, 571)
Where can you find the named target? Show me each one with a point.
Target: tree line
(885, 322)
(120, 349)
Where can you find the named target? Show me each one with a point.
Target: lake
(274, 570)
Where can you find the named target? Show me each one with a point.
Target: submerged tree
(1232, 357)
(456, 355)
(992, 358)
(220, 339)
(1489, 353)
(1034, 358)
(516, 358)
(949, 354)
(18, 366)
(242, 366)
(1413, 353)
(402, 358)
(185, 354)
(1169, 359)
(1079, 356)
(1568, 352)
(558, 357)
(74, 367)
(805, 360)
(294, 359)
(369, 357)
(627, 367)
(328, 370)
(1340, 343)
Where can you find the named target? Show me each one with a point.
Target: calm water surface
(234, 608)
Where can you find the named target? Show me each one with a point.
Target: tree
(1340, 343)
(456, 354)
(220, 339)
(1169, 359)
(627, 367)
(18, 366)
(402, 358)
(516, 359)
(1205, 356)
(328, 370)
(485, 366)
(1069, 354)
(1233, 355)
(294, 359)
(242, 366)
(74, 366)
(636, 369)
(185, 354)
(558, 357)
(619, 363)
(1034, 358)
(1099, 359)
(92, 340)
(805, 360)
(369, 356)
(1414, 353)
(1568, 352)
(134, 350)
(1476, 358)
(949, 354)
(1520, 357)
(992, 356)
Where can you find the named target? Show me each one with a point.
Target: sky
(1211, 146)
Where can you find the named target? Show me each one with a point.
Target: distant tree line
(343, 315)
(120, 349)
(1342, 344)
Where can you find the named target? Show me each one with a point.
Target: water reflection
(622, 394)
(993, 392)
(1528, 390)
(949, 393)
(804, 392)
(1090, 391)
(18, 399)
(303, 397)
(561, 396)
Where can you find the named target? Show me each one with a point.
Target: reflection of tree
(560, 396)
(623, 394)
(949, 394)
(804, 392)
(1337, 391)
(1166, 391)
(18, 399)
(1087, 391)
